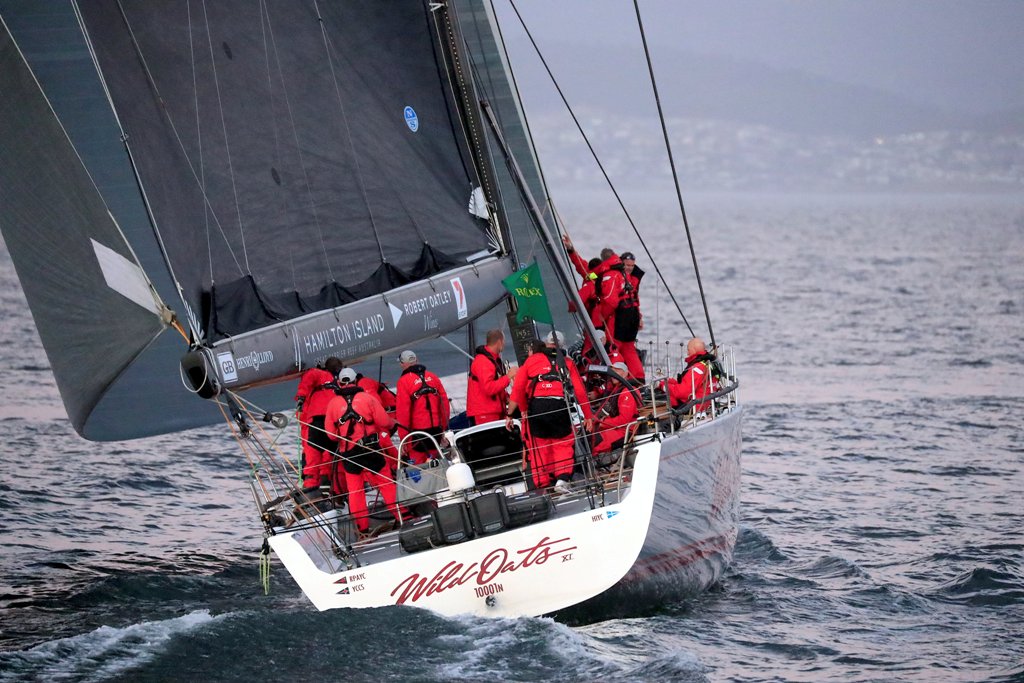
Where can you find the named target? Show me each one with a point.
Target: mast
(460, 77)
(565, 278)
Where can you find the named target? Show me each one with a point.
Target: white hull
(672, 534)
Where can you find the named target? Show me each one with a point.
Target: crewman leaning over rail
(696, 380)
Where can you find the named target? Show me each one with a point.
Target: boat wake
(102, 653)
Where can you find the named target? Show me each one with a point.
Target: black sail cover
(296, 155)
(93, 307)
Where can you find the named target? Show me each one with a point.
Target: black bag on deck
(451, 523)
(527, 508)
(489, 513)
(418, 535)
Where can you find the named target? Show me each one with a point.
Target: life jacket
(627, 312)
(610, 407)
(429, 394)
(548, 415)
(365, 453)
(710, 361)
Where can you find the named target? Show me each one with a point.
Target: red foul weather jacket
(417, 407)
(524, 387)
(617, 410)
(695, 382)
(314, 392)
(372, 418)
(485, 393)
(612, 281)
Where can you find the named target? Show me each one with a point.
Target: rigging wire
(348, 131)
(177, 136)
(526, 125)
(600, 166)
(199, 142)
(675, 175)
(227, 145)
(295, 138)
(161, 246)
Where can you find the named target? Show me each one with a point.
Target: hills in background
(702, 86)
(774, 95)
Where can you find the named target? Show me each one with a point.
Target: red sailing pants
(317, 450)
(551, 459)
(631, 358)
(383, 481)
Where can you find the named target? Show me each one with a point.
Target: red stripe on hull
(672, 560)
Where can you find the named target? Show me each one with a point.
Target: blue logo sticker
(411, 119)
(612, 513)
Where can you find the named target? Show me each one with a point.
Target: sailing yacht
(202, 200)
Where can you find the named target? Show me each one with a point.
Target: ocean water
(881, 348)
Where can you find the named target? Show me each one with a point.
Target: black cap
(627, 255)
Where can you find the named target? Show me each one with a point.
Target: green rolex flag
(528, 290)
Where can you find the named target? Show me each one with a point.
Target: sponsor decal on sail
(254, 360)
(411, 119)
(228, 369)
(460, 297)
(357, 330)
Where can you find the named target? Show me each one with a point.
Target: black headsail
(85, 287)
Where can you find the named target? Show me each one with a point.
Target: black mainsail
(301, 177)
(296, 156)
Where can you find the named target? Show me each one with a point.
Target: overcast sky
(959, 54)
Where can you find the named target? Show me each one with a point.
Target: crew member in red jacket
(486, 397)
(361, 427)
(379, 390)
(316, 389)
(628, 318)
(618, 409)
(539, 391)
(610, 285)
(422, 406)
(695, 381)
(589, 292)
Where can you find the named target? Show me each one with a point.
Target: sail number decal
(411, 119)
(495, 563)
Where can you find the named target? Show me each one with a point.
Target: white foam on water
(102, 653)
(492, 647)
